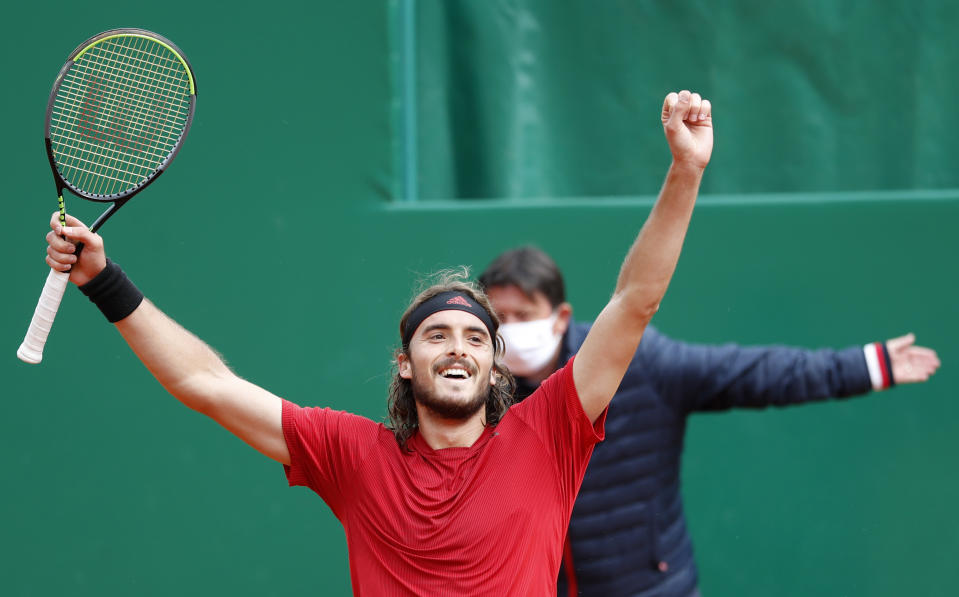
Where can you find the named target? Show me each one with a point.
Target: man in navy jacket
(628, 535)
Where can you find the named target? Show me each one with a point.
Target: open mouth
(454, 373)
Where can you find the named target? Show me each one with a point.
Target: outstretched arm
(605, 354)
(181, 362)
(702, 377)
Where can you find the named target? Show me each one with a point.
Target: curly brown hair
(402, 419)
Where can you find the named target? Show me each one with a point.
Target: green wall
(275, 238)
(538, 98)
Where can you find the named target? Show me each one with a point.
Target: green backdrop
(537, 98)
(322, 177)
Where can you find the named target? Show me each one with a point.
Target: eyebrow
(442, 326)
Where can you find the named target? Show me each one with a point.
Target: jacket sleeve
(701, 377)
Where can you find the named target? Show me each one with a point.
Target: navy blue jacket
(628, 533)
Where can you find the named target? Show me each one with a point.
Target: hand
(688, 123)
(911, 364)
(61, 253)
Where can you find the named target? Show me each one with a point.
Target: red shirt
(484, 520)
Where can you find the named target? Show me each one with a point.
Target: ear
(564, 314)
(404, 365)
(493, 376)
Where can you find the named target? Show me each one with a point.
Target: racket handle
(31, 351)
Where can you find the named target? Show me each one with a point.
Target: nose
(457, 345)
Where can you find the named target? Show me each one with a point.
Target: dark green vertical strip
(403, 63)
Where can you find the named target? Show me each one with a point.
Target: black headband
(445, 301)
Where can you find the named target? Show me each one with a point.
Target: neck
(440, 433)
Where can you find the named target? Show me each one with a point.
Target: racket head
(119, 111)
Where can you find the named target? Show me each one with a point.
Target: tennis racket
(118, 113)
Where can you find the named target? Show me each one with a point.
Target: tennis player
(460, 493)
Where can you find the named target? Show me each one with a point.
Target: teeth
(454, 372)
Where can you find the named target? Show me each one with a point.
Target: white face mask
(530, 344)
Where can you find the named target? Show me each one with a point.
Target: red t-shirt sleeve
(325, 446)
(556, 415)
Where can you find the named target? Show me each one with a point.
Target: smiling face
(450, 364)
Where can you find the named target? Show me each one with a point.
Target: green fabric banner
(536, 98)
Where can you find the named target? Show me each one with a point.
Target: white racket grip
(31, 350)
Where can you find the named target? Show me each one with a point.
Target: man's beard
(448, 409)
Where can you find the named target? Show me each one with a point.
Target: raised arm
(181, 362)
(605, 354)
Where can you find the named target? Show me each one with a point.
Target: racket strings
(119, 114)
(114, 104)
(132, 154)
(112, 63)
(105, 101)
(160, 85)
(87, 109)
